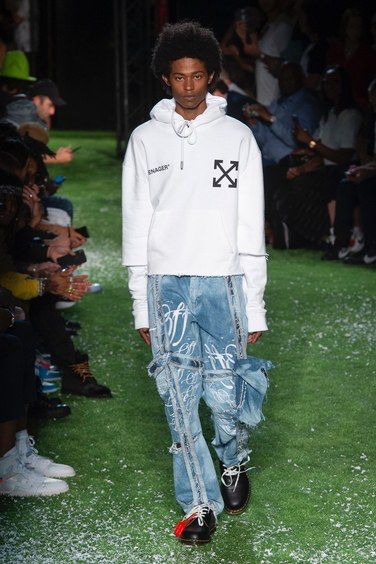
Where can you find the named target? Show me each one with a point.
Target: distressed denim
(198, 330)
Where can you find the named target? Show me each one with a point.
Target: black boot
(78, 380)
(197, 527)
(48, 408)
(235, 488)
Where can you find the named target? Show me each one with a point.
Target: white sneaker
(40, 464)
(356, 244)
(370, 258)
(17, 480)
(343, 252)
(64, 304)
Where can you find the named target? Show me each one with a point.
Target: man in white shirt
(273, 40)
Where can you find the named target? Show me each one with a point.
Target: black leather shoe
(78, 379)
(235, 488)
(197, 527)
(75, 325)
(48, 408)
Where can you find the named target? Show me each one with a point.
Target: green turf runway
(314, 456)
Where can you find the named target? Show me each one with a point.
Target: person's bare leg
(332, 212)
(7, 436)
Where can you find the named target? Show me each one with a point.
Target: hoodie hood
(164, 112)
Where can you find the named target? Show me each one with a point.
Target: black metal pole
(124, 52)
(118, 81)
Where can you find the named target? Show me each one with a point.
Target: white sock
(21, 435)
(357, 232)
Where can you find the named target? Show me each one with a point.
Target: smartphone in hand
(76, 259)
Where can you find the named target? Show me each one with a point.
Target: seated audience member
(303, 195)
(358, 189)
(235, 79)
(354, 55)
(221, 89)
(273, 126)
(46, 98)
(59, 210)
(38, 106)
(14, 80)
(27, 250)
(270, 42)
(247, 20)
(313, 59)
(23, 472)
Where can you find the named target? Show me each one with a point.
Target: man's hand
(30, 196)
(232, 50)
(76, 239)
(302, 135)
(145, 335)
(257, 111)
(361, 173)
(303, 151)
(252, 49)
(71, 287)
(293, 172)
(64, 155)
(254, 337)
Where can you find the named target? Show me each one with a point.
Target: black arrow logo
(232, 183)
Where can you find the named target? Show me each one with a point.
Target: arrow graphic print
(232, 182)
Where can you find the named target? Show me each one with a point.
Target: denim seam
(242, 435)
(188, 446)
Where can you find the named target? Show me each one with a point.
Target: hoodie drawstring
(186, 130)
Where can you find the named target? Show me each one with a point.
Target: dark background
(77, 44)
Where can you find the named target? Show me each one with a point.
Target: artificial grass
(314, 476)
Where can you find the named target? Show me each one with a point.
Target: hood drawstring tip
(181, 165)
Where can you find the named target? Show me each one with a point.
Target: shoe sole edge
(193, 542)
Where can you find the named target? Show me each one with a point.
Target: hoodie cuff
(256, 321)
(141, 318)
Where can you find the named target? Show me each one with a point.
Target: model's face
(189, 82)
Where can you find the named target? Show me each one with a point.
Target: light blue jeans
(198, 330)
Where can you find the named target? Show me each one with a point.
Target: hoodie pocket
(192, 233)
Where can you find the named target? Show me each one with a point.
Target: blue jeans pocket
(251, 386)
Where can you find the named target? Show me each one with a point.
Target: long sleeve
(137, 208)
(137, 283)
(255, 276)
(284, 124)
(251, 235)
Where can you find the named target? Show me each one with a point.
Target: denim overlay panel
(198, 329)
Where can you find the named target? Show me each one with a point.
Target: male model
(193, 234)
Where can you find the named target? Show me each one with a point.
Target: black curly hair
(186, 39)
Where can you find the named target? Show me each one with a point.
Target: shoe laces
(27, 449)
(198, 512)
(82, 369)
(232, 472)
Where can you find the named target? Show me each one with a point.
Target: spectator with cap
(46, 98)
(24, 105)
(14, 80)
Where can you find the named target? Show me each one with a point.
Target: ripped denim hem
(251, 387)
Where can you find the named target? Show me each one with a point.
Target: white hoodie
(193, 203)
